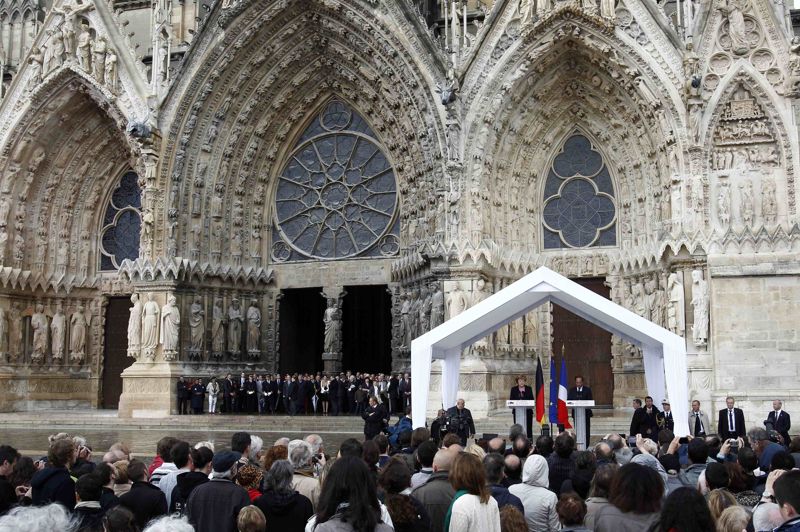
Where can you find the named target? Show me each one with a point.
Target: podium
(519, 407)
(579, 408)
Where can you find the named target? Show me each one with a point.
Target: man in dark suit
(523, 392)
(665, 420)
(183, 396)
(287, 406)
(294, 396)
(582, 393)
(645, 420)
(460, 421)
(333, 395)
(780, 420)
(344, 384)
(731, 421)
(227, 396)
(272, 390)
(394, 396)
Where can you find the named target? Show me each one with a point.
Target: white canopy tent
(664, 352)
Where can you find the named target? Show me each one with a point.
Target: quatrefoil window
(337, 195)
(579, 208)
(122, 224)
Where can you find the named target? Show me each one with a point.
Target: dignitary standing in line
(582, 393)
(523, 392)
(780, 421)
(698, 421)
(730, 424)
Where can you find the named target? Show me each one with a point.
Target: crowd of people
(293, 394)
(409, 480)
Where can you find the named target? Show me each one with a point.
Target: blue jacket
(505, 497)
(402, 425)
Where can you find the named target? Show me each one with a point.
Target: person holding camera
(779, 421)
(460, 421)
(375, 418)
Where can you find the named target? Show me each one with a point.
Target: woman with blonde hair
(733, 519)
(477, 450)
(718, 500)
(473, 507)
(251, 519)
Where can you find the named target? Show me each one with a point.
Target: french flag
(563, 415)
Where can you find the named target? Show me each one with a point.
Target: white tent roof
(664, 352)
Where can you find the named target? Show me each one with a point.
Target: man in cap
(665, 420)
(214, 506)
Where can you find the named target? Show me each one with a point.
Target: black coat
(293, 391)
(8, 497)
(215, 505)
(394, 388)
(183, 390)
(183, 489)
(461, 422)
(285, 512)
(333, 389)
(666, 420)
(145, 501)
(375, 419)
(645, 424)
(53, 484)
(527, 394)
(738, 419)
(782, 425)
(584, 395)
(91, 519)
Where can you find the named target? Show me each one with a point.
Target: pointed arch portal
(664, 352)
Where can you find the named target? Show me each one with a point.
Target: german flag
(539, 391)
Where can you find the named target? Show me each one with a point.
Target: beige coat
(305, 483)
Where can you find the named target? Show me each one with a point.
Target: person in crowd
(437, 493)
(603, 453)
(408, 514)
(251, 519)
(635, 497)
(370, 454)
(763, 447)
(324, 395)
(698, 461)
(425, 454)
(730, 422)
(645, 420)
(561, 464)
(698, 421)
(119, 519)
(215, 505)
(8, 496)
(493, 464)
(383, 447)
(787, 496)
(284, 507)
(523, 392)
(403, 424)
(685, 510)
(250, 477)
(718, 500)
(122, 483)
(170, 523)
(47, 518)
(212, 390)
(449, 440)
(571, 512)
(273, 454)
(460, 421)
(241, 443)
(581, 392)
(185, 483)
(733, 519)
(599, 492)
(162, 465)
(539, 502)
(54, 483)
(180, 455)
(182, 390)
(198, 396)
(107, 474)
(348, 501)
(22, 472)
(87, 510)
(780, 421)
(512, 520)
(473, 507)
(318, 458)
(665, 420)
(300, 456)
(145, 500)
(580, 480)
(513, 470)
(716, 477)
(375, 418)
(544, 446)
(439, 426)
(521, 446)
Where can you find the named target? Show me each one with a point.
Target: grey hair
(757, 434)
(315, 440)
(169, 523)
(650, 446)
(279, 477)
(300, 453)
(39, 519)
(207, 444)
(282, 442)
(256, 444)
(79, 441)
(623, 456)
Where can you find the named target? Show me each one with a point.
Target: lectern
(579, 407)
(520, 406)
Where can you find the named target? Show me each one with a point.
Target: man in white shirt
(182, 458)
(698, 421)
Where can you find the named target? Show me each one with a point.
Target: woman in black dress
(198, 395)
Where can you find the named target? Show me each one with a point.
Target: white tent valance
(664, 352)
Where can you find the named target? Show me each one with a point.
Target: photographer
(375, 418)
(460, 422)
(439, 427)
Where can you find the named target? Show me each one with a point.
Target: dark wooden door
(367, 329)
(587, 347)
(115, 356)
(302, 332)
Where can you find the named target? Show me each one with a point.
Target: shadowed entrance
(302, 332)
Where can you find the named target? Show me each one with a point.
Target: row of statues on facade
(150, 325)
(92, 55)
(49, 334)
(421, 310)
(527, 8)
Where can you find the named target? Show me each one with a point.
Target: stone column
(148, 386)
(332, 319)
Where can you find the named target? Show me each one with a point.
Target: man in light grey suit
(698, 421)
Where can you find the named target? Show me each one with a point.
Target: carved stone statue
(55, 48)
(607, 8)
(234, 329)
(724, 204)
(218, 330)
(700, 306)
(84, 51)
(39, 326)
(675, 318)
(413, 317)
(517, 333)
(769, 200)
(135, 328)
(456, 301)
(437, 306)
(333, 327)
(736, 29)
(747, 205)
(424, 310)
(531, 330)
(197, 328)
(479, 293)
(253, 329)
(99, 50)
(79, 323)
(150, 327)
(111, 70)
(58, 329)
(36, 60)
(170, 328)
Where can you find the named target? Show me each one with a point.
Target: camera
(734, 445)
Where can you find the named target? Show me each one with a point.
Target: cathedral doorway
(302, 333)
(115, 354)
(586, 347)
(367, 329)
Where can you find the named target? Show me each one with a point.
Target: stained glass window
(121, 224)
(337, 193)
(579, 207)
